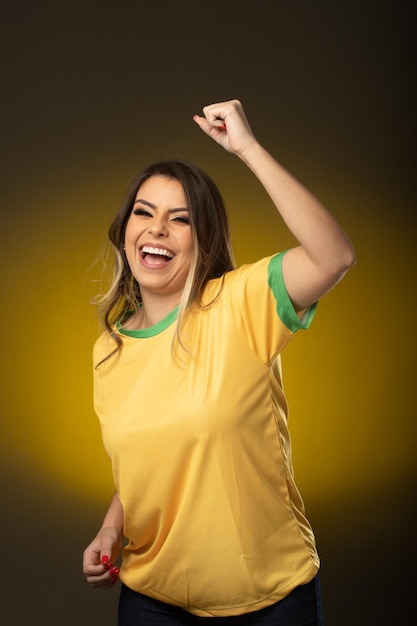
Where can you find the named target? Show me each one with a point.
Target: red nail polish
(114, 571)
(104, 559)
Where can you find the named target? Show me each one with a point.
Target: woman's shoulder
(253, 271)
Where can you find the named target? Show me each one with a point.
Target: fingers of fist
(216, 114)
(112, 569)
(104, 575)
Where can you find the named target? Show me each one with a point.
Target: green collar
(152, 330)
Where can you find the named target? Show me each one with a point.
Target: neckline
(152, 330)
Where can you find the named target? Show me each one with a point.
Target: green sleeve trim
(284, 306)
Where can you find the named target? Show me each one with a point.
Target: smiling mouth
(156, 256)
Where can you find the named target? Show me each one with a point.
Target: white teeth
(161, 251)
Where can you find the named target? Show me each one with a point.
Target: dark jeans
(302, 607)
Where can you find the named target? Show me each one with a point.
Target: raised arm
(325, 253)
(100, 555)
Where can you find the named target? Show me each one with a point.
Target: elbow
(339, 261)
(349, 258)
(346, 259)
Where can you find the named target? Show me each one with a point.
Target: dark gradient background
(90, 93)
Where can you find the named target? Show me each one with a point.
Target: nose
(158, 227)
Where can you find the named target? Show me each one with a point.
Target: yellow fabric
(201, 454)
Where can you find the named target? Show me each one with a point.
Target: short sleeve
(258, 301)
(284, 306)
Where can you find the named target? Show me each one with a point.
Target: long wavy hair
(212, 247)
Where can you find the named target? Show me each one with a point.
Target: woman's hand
(226, 123)
(99, 558)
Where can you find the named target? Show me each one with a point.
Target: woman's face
(158, 238)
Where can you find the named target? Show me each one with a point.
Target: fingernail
(114, 572)
(104, 559)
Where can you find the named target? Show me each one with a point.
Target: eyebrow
(153, 206)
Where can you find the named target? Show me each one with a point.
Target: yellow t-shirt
(201, 452)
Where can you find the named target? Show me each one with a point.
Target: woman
(188, 391)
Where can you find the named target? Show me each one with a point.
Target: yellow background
(93, 93)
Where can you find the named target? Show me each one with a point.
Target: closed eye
(140, 211)
(181, 218)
